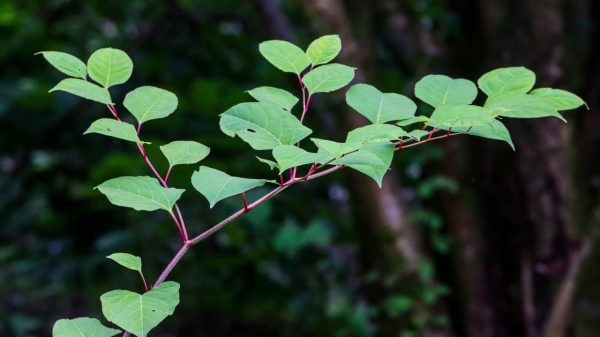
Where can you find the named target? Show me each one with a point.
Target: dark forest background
(466, 237)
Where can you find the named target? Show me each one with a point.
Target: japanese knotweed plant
(272, 121)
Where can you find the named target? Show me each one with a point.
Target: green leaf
(328, 78)
(437, 90)
(113, 128)
(413, 120)
(375, 133)
(82, 327)
(372, 159)
(495, 130)
(514, 80)
(137, 313)
(274, 95)
(140, 193)
(216, 185)
(271, 163)
(558, 99)
(148, 103)
(379, 107)
(262, 125)
(453, 116)
(521, 106)
(127, 260)
(417, 134)
(334, 148)
(285, 56)
(109, 67)
(184, 152)
(83, 89)
(65, 63)
(324, 49)
(288, 156)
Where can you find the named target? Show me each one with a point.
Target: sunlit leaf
(140, 193)
(456, 116)
(288, 156)
(285, 56)
(216, 185)
(262, 125)
(375, 133)
(558, 99)
(324, 49)
(82, 327)
(137, 313)
(127, 260)
(274, 95)
(513, 80)
(379, 107)
(83, 89)
(109, 66)
(521, 106)
(182, 152)
(148, 103)
(113, 128)
(437, 90)
(336, 149)
(65, 63)
(328, 78)
(372, 159)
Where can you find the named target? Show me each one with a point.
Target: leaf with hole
(327, 78)
(182, 152)
(83, 89)
(65, 63)
(82, 327)
(511, 80)
(275, 96)
(284, 56)
(127, 260)
(372, 159)
(140, 193)
(113, 128)
(437, 90)
(137, 313)
(262, 125)
(379, 107)
(288, 156)
(558, 99)
(324, 49)
(109, 66)
(148, 103)
(216, 185)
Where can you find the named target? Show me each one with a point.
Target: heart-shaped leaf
(127, 260)
(262, 125)
(82, 327)
(83, 89)
(113, 128)
(216, 185)
(324, 49)
(379, 107)
(137, 313)
(437, 90)
(513, 80)
(65, 63)
(328, 78)
(148, 103)
(182, 152)
(285, 56)
(109, 66)
(140, 193)
(289, 156)
(275, 96)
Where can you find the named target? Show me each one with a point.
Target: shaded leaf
(109, 66)
(113, 128)
(137, 313)
(83, 89)
(127, 260)
(140, 193)
(182, 152)
(437, 90)
(379, 107)
(514, 80)
(328, 78)
(324, 49)
(375, 133)
(148, 103)
(288, 156)
(262, 125)
(65, 63)
(285, 56)
(82, 327)
(216, 185)
(558, 99)
(274, 95)
(372, 159)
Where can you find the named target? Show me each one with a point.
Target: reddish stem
(245, 202)
(144, 280)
